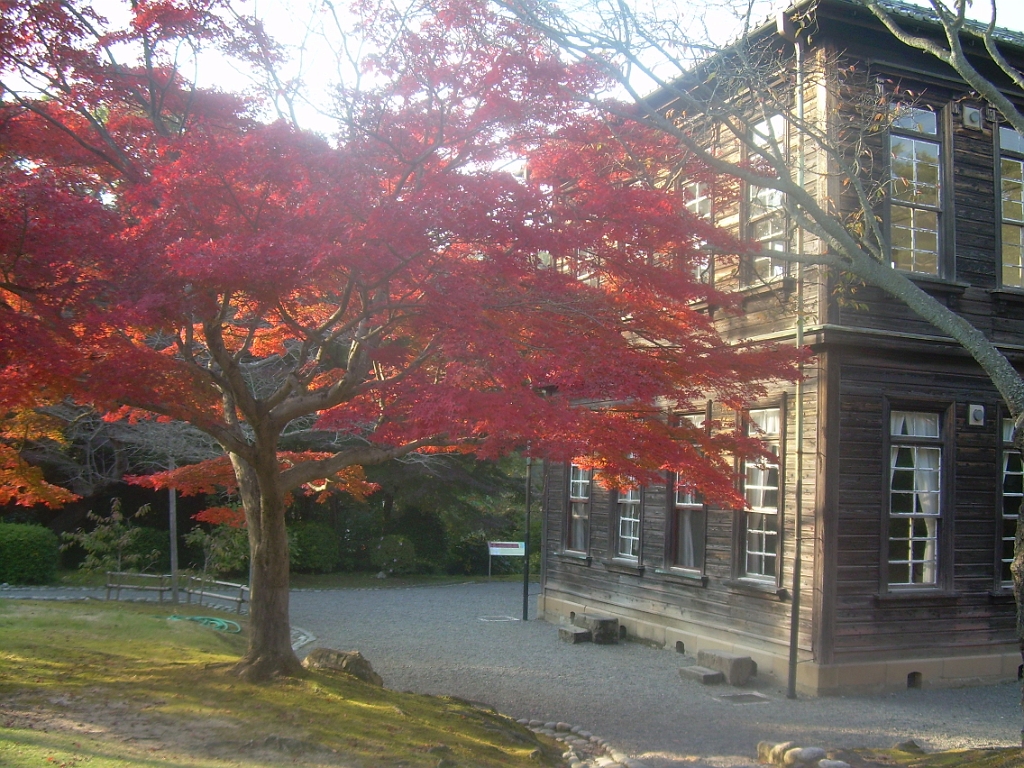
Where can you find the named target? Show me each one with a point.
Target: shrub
(28, 554)
(152, 548)
(313, 548)
(112, 544)
(468, 556)
(225, 549)
(394, 554)
(425, 530)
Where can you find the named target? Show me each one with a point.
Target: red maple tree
(166, 254)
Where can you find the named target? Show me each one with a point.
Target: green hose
(224, 625)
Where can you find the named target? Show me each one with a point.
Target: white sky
(288, 21)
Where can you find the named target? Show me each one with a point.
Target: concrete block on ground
(604, 630)
(574, 635)
(737, 669)
(702, 675)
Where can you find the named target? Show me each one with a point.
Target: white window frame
(689, 521)
(1011, 494)
(1011, 207)
(699, 202)
(629, 519)
(581, 488)
(913, 243)
(762, 489)
(767, 218)
(915, 500)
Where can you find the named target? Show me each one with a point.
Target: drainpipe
(788, 29)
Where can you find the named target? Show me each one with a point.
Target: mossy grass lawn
(1002, 757)
(112, 684)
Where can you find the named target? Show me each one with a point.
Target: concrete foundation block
(737, 669)
(702, 675)
(574, 635)
(604, 630)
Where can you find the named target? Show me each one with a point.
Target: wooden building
(908, 492)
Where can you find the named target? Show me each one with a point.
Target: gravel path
(436, 640)
(465, 640)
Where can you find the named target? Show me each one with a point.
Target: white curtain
(926, 480)
(914, 424)
(686, 555)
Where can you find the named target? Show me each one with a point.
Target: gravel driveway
(451, 640)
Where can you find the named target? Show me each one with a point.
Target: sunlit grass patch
(119, 684)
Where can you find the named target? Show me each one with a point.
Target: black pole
(526, 549)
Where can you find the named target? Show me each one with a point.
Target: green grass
(1002, 757)
(97, 684)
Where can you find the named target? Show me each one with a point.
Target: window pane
(915, 170)
(1013, 255)
(1010, 140)
(915, 119)
(915, 487)
(629, 523)
(1012, 496)
(689, 544)
(579, 508)
(914, 424)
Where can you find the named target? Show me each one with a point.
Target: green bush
(225, 550)
(313, 548)
(468, 556)
(152, 547)
(394, 554)
(28, 554)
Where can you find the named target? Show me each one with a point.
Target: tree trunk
(270, 648)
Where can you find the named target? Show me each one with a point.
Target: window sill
(902, 596)
(936, 284)
(1008, 295)
(1001, 596)
(755, 587)
(577, 558)
(628, 567)
(683, 576)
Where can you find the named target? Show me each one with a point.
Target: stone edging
(584, 749)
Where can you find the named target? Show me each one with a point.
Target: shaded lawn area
(108, 684)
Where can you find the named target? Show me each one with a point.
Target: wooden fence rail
(202, 589)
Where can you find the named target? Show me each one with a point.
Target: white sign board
(506, 548)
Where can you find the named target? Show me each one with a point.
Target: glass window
(689, 518)
(628, 545)
(767, 222)
(698, 202)
(915, 498)
(1011, 182)
(1012, 496)
(580, 481)
(761, 489)
(915, 191)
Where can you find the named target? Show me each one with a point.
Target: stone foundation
(813, 679)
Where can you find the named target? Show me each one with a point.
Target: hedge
(28, 554)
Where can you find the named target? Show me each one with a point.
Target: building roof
(925, 15)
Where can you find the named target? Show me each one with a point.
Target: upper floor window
(762, 491)
(1011, 202)
(915, 497)
(584, 265)
(915, 192)
(767, 219)
(1011, 497)
(698, 202)
(578, 524)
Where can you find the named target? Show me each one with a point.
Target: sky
(289, 20)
